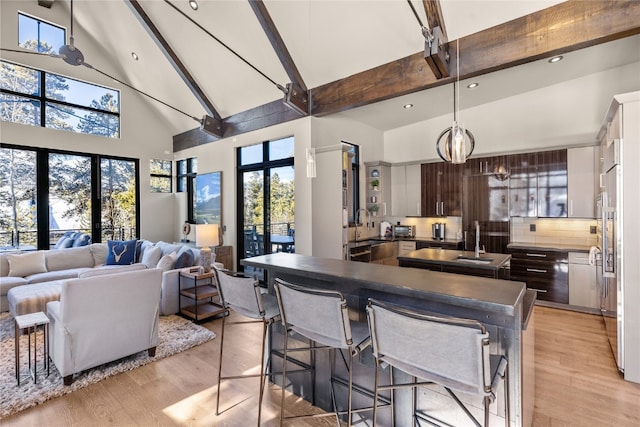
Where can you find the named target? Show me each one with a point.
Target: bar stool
(451, 352)
(243, 295)
(322, 317)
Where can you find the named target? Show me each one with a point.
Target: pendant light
(459, 142)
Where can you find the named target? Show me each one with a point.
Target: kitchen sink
(474, 260)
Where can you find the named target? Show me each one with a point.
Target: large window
(44, 193)
(266, 194)
(39, 98)
(160, 176)
(38, 35)
(186, 172)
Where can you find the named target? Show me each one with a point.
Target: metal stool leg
(220, 366)
(284, 375)
(262, 372)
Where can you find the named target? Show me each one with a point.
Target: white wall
(561, 115)
(221, 156)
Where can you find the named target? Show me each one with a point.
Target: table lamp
(206, 236)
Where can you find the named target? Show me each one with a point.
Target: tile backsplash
(553, 230)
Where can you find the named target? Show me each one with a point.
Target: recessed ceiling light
(407, 106)
(473, 85)
(193, 4)
(555, 59)
(134, 55)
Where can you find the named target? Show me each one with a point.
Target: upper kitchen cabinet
(552, 184)
(538, 184)
(405, 190)
(581, 167)
(378, 187)
(441, 191)
(523, 185)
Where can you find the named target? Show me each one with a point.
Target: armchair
(103, 318)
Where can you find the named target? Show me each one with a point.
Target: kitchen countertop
(560, 247)
(451, 257)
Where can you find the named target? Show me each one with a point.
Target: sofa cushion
(7, 283)
(110, 269)
(70, 273)
(121, 252)
(185, 258)
(58, 259)
(81, 240)
(63, 243)
(167, 248)
(99, 252)
(167, 262)
(33, 298)
(4, 262)
(142, 246)
(21, 265)
(151, 256)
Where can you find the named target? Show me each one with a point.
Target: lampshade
(206, 235)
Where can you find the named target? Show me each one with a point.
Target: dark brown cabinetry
(444, 244)
(441, 189)
(547, 272)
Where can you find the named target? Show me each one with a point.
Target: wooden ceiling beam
(297, 96)
(266, 115)
(436, 53)
(562, 28)
(173, 58)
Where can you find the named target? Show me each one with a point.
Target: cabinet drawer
(538, 255)
(541, 271)
(421, 244)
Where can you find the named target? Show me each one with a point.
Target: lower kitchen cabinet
(546, 272)
(583, 290)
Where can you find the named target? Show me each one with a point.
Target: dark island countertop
(480, 293)
(488, 261)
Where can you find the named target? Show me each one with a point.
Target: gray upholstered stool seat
(323, 317)
(28, 299)
(243, 295)
(451, 352)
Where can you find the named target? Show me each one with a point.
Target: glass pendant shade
(455, 144)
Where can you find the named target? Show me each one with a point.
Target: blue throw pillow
(121, 252)
(185, 259)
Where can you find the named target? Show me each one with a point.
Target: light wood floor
(577, 384)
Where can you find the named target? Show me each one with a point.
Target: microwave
(404, 230)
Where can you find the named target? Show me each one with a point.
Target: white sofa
(103, 317)
(74, 262)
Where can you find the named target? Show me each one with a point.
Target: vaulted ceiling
(350, 55)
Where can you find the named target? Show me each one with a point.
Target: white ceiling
(327, 39)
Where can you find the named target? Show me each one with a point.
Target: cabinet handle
(536, 270)
(537, 255)
(544, 291)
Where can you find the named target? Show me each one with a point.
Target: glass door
(18, 196)
(69, 196)
(118, 199)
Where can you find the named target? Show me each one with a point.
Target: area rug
(175, 334)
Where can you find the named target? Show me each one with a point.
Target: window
(45, 193)
(185, 176)
(160, 176)
(266, 199)
(354, 155)
(39, 98)
(40, 36)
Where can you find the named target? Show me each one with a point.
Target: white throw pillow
(21, 265)
(151, 256)
(166, 262)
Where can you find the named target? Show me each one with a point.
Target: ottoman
(28, 299)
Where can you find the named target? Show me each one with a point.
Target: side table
(30, 322)
(201, 290)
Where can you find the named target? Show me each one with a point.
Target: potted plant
(374, 210)
(374, 184)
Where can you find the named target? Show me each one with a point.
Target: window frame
(186, 183)
(43, 101)
(161, 176)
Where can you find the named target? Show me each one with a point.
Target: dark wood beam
(277, 43)
(45, 3)
(437, 53)
(173, 58)
(266, 115)
(562, 28)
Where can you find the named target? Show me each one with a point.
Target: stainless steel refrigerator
(612, 291)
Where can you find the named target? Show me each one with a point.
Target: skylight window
(40, 36)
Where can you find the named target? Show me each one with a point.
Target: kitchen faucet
(356, 220)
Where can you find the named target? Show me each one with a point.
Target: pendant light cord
(456, 91)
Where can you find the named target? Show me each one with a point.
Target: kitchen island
(461, 262)
(504, 307)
